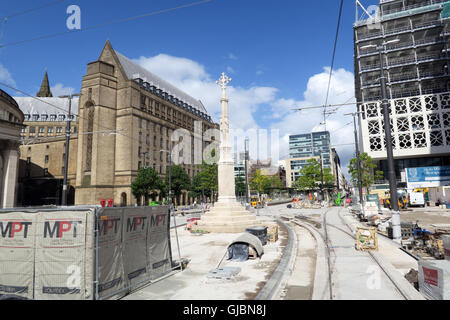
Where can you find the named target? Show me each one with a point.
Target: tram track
(331, 250)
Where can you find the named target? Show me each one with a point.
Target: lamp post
(396, 224)
(246, 170)
(358, 163)
(170, 202)
(170, 177)
(66, 157)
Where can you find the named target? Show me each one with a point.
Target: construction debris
(446, 240)
(272, 233)
(413, 277)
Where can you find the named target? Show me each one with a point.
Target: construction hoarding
(54, 254)
(134, 247)
(446, 240)
(434, 279)
(17, 250)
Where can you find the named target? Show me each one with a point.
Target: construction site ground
(306, 277)
(427, 217)
(205, 252)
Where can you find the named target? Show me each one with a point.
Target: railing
(403, 45)
(399, 62)
(415, 6)
(404, 77)
(397, 10)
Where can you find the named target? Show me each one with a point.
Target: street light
(170, 176)
(358, 163)
(66, 158)
(396, 224)
(170, 201)
(246, 170)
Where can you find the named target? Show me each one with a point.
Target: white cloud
(295, 122)
(230, 70)
(59, 90)
(245, 103)
(191, 77)
(6, 77)
(232, 56)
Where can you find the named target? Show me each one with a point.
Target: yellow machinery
(402, 200)
(256, 203)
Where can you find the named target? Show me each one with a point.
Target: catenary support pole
(358, 166)
(396, 223)
(66, 157)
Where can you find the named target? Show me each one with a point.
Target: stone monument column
(228, 215)
(227, 192)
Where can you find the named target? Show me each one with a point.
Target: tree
(368, 174)
(180, 180)
(206, 181)
(240, 185)
(259, 182)
(311, 177)
(147, 184)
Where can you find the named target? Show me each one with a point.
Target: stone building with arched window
(124, 120)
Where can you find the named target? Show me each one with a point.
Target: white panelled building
(414, 38)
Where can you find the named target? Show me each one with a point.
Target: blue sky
(275, 51)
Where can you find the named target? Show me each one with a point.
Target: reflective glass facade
(310, 145)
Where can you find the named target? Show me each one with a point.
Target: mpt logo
(59, 228)
(9, 229)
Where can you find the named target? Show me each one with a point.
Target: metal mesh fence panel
(47, 254)
(82, 253)
(133, 248)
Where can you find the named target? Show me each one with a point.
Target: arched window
(123, 199)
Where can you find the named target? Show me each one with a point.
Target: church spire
(45, 92)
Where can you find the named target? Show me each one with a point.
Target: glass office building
(311, 145)
(304, 147)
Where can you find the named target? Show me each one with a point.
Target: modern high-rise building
(413, 36)
(304, 147)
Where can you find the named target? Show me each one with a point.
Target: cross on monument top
(223, 81)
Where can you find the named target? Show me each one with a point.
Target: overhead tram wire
(193, 4)
(13, 15)
(66, 112)
(332, 60)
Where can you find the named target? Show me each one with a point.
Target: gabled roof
(47, 106)
(134, 71)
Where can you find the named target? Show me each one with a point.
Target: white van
(417, 199)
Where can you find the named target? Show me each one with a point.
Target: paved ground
(356, 276)
(427, 217)
(205, 253)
